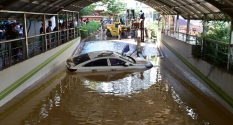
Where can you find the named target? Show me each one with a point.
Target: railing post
(10, 53)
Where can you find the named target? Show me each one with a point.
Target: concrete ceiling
(215, 9)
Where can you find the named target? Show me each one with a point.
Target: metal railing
(17, 50)
(218, 53)
(215, 52)
(188, 38)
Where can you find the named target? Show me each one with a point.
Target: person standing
(87, 21)
(141, 15)
(102, 25)
(48, 30)
(119, 31)
(109, 21)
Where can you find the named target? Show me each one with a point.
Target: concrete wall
(18, 77)
(180, 53)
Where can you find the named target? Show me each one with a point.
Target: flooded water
(158, 96)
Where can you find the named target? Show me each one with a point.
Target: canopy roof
(215, 9)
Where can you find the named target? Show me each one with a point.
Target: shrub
(89, 28)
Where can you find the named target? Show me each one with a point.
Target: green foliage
(113, 6)
(89, 10)
(63, 17)
(89, 28)
(219, 30)
(153, 27)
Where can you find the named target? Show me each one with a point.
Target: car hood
(141, 60)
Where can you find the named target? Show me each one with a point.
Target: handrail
(219, 42)
(215, 51)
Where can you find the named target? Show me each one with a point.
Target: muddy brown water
(158, 96)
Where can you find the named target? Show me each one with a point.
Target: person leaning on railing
(11, 33)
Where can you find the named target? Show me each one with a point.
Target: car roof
(97, 54)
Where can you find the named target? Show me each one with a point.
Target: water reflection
(130, 100)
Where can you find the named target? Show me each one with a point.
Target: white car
(105, 61)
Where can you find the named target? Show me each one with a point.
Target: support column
(78, 30)
(177, 26)
(203, 35)
(158, 20)
(73, 30)
(44, 42)
(58, 29)
(25, 44)
(188, 28)
(230, 51)
(67, 29)
(169, 28)
(163, 23)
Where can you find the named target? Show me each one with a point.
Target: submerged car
(105, 61)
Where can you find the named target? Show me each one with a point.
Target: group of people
(12, 30)
(61, 27)
(81, 21)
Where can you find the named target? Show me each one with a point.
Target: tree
(113, 6)
(89, 10)
(219, 30)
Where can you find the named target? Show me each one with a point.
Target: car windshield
(80, 59)
(128, 58)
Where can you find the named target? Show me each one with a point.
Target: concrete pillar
(177, 26)
(25, 44)
(188, 28)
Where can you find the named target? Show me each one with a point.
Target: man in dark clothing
(11, 33)
(141, 15)
(42, 28)
(48, 30)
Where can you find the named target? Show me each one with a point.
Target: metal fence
(214, 52)
(16, 50)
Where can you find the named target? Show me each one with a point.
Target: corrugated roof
(215, 9)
